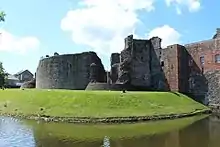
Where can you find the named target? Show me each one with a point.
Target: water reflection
(179, 133)
(14, 134)
(106, 142)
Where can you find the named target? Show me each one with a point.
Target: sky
(36, 28)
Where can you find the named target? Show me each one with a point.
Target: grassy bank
(96, 132)
(67, 103)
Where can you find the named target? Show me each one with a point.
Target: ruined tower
(135, 62)
(115, 60)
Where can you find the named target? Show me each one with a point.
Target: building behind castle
(16, 80)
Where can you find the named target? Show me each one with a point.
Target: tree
(2, 16)
(2, 71)
(2, 75)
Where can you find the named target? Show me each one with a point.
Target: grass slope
(68, 103)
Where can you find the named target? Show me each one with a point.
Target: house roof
(12, 77)
(22, 71)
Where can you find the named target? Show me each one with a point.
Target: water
(199, 131)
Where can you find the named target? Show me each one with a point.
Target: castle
(193, 69)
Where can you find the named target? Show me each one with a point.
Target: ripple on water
(14, 134)
(182, 133)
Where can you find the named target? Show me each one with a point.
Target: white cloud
(178, 11)
(192, 5)
(103, 24)
(12, 43)
(168, 35)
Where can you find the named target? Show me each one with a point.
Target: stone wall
(183, 63)
(213, 90)
(70, 71)
(124, 74)
(207, 49)
(115, 61)
(114, 72)
(193, 69)
(115, 58)
(171, 67)
(202, 63)
(158, 79)
(140, 65)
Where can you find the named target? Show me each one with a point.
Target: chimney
(218, 31)
(217, 35)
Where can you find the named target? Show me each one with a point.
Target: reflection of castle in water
(106, 142)
(203, 133)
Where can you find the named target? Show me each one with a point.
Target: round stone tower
(70, 71)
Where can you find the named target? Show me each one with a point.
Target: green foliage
(67, 103)
(2, 75)
(2, 16)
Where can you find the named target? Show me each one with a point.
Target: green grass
(96, 132)
(68, 103)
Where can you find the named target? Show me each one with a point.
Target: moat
(188, 132)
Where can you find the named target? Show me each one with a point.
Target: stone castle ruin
(137, 67)
(193, 69)
(70, 71)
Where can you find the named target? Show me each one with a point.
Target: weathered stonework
(115, 61)
(115, 58)
(134, 68)
(213, 90)
(140, 65)
(158, 80)
(70, 71)
(125, 62)
(114, 72)
(193, 69)
(94, 73)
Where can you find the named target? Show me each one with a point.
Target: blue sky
(34, 28)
